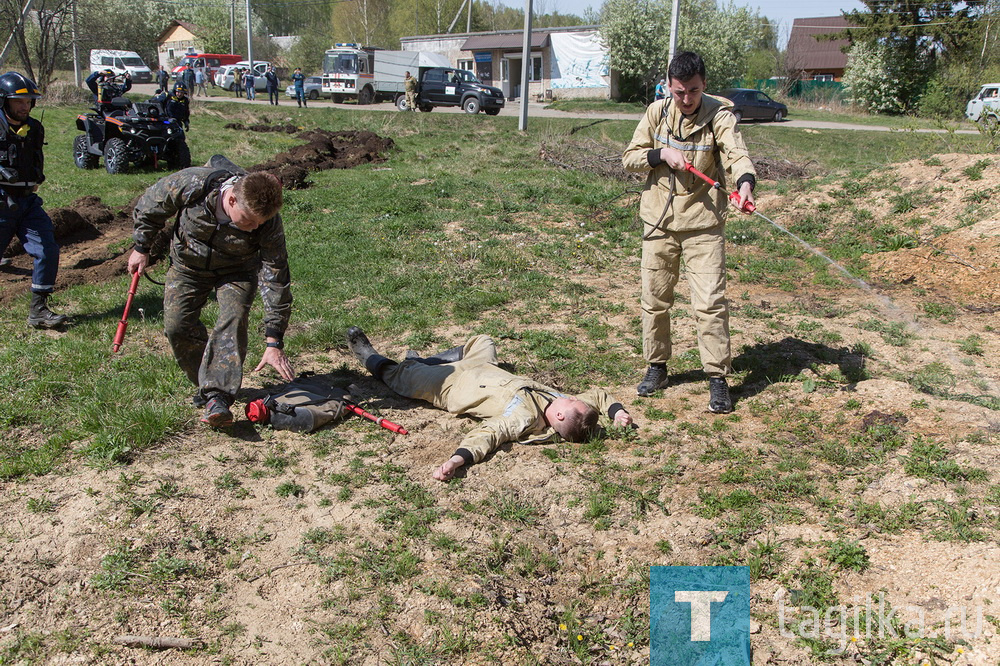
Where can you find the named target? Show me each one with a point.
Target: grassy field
(540, 555)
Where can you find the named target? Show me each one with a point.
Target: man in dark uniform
(178, 106)
(105, 86)
(227, 237)
(21, 214)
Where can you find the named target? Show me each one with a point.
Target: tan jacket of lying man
(466, 380)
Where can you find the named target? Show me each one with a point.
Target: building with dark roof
(817, 59)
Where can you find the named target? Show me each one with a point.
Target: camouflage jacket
(201, 245)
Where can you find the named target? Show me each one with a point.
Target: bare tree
(45, 38)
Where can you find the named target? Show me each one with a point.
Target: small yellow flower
(612, 647)
(579, 637)
(630, 644)
(961, 651)
(854, 639)
(562, 627)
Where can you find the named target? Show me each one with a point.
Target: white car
(224, 77)
(985, 106)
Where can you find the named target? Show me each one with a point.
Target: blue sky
(781, 11)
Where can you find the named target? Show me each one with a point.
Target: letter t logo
(701, 610)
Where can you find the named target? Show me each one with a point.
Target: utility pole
(468, 19)
(249, 37)
(675, 14)
(232, 26)
(522, 123)
(78, 77)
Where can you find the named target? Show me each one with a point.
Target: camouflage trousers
(213, 362)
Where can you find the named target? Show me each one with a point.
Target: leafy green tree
(637, 39)
(918, 36)
(873, 79)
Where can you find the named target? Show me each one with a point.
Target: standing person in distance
(21, 214)
(299, 81)
(249, 82)
(410, 86)
(683, 216)
(271, 77)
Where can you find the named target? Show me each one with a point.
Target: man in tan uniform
(683, 215)
(410, 86)
(466, 380)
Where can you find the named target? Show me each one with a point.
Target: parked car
(445, 86)
(985, 106)
(224, 77)
(313, 87)
(754, 105)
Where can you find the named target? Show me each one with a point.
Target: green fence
(806, 91)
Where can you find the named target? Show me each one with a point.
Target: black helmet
(180, 87)
(17, 86)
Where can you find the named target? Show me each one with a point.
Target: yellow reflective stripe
(22, 90)
(22, 131)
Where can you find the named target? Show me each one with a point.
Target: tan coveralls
(683, 215)
(410, 85)
(512, 406)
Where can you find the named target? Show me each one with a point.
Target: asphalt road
(535, 110)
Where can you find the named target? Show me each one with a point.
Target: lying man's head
(573, 419)
(254, 200)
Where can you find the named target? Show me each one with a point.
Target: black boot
(361, 347)
(39, 316)
(447, 356)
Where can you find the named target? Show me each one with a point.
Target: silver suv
(224, 77)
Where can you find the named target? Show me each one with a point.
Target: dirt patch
(90, 236)
(280, 129)
(93, 237)
(961, 264)
(325, 150)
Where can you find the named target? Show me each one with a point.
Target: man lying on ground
(466, 380)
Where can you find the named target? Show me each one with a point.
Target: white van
(985, 106)
(224, 77)
(120, 62)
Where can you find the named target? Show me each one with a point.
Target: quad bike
(129, 133)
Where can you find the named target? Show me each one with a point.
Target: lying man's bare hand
(447, 471)
(623, 419)
(276, 358)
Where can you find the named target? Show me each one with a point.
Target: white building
(565, 62)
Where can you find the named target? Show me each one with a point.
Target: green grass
(596, 105)
(895, 122)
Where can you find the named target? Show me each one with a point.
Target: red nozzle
(257, 412)
(748, 207)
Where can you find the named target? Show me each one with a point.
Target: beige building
(564, 63)
(176, 39)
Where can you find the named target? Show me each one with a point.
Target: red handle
(714, 183)
(385, 423)
(123, 324)
(748, 206)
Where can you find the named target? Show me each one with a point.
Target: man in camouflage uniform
(466, 380)
(410, 86)
(227, 237)
(683, 215)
